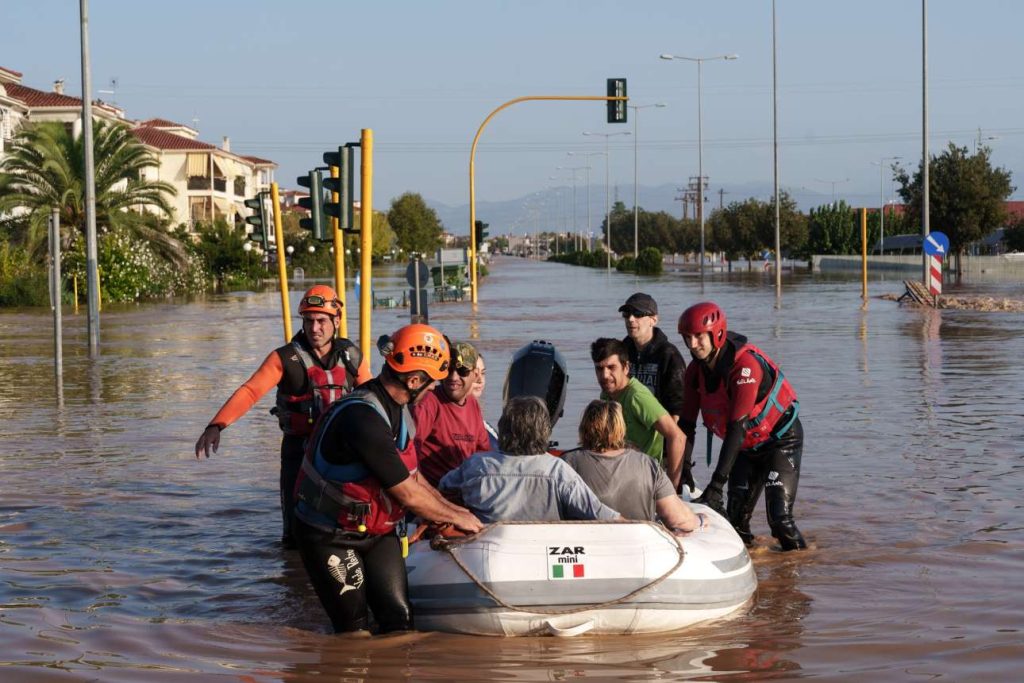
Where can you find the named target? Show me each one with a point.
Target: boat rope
(449, 545)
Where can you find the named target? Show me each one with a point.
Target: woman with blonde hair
(623, 478)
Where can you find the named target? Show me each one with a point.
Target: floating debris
(968, 303)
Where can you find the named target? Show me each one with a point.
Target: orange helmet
(419, 347)
(320, 299)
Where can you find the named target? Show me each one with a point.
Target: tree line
(142, 255)
(967, 198)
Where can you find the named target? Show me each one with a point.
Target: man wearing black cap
(653, 359)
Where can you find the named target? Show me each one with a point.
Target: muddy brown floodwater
(123, 558)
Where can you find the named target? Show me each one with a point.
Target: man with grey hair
(522, 482)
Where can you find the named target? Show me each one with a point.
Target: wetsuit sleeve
(367, 438)
(734, 434)
(364, 372)
(691, 401)
(744, 379)
(267, 376)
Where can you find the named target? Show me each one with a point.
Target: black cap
(641, 303)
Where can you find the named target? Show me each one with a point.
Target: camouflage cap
(464, 355)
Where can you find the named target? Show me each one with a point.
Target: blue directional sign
(936, 244)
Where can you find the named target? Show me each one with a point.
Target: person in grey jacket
(521, 481)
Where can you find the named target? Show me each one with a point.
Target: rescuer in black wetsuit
(358, 479)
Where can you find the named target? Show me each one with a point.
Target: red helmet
(320, 299)
(704, 317)
(419, 347)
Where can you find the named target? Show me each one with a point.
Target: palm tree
(45, 167)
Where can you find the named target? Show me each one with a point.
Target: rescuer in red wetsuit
(312, 371)
(745, 400)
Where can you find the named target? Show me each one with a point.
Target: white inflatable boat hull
(541, 576)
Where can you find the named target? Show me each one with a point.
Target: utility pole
(91, 251)
(684, 197)
(721, 197)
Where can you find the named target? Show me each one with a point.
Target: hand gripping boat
(568, 578)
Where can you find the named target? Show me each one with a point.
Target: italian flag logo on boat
(566, 562)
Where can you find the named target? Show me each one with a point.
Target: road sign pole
(935, 275)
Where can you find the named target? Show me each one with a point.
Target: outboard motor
(539, 370)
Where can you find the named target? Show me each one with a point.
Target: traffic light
(617, 108)
(258, 219)
(481, 234)
(315, 203)
(343, 185)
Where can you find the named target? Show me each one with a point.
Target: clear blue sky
(287, 81)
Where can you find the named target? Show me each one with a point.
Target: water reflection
(123, 556)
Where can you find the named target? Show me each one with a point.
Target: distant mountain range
(552, 208)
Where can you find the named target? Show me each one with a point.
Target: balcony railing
(203, 183)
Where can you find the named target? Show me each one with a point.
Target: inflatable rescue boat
(569, 578)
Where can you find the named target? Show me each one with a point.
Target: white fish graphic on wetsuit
(340, 571)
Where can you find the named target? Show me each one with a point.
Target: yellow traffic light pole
(472, 172)
(366, 241)
(282, 267)
(339, 260)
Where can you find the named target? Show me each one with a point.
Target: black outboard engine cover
(539, 370)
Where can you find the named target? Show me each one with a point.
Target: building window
(239, 186)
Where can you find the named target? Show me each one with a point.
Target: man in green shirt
(648, 425)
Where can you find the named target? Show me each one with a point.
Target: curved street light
(579, 239)
(587, 167)
(636, 137)
(833, 183)
(700, 137)
(607, 193)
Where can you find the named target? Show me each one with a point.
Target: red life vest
(296, 413)
(715, 407)
(347, 497)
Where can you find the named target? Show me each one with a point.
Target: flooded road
(123, 558)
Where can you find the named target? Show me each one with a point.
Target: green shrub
(590, 259)
(129, 270)
(626, 264)
(649, 262)
(22, 283)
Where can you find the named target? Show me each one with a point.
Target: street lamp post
(881, 197)
(833, 183)
(607, 193)
(587, 169)
(636, 210)
(700, 139)
(573, 169)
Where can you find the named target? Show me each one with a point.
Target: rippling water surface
(123, 558)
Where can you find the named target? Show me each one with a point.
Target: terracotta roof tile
(258, 160)
(161, 139)
(1014, 208)
(11, 71)
(40, 98)
(161, 123)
